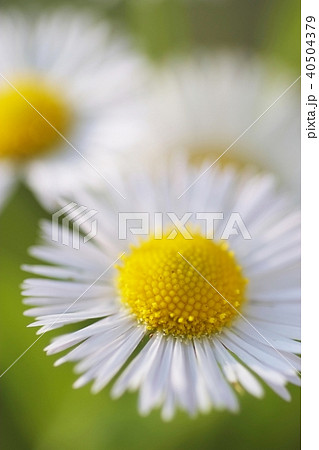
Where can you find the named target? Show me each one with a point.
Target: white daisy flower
(209, 103)
(193, 319)
(82, 79)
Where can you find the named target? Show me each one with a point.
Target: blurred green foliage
(162, 27)
(40, 410)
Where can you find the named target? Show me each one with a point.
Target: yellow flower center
(210, 153)
(183, 287)
(23, 132)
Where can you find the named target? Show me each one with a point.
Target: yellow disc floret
(23, 132)
(183, 287)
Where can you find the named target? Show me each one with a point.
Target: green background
(40, 410)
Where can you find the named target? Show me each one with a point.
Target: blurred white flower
(83, 79)
(213, 318)
(204, 104)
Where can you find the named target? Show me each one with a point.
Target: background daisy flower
(205, 103)
(64, 77)
(201, 318)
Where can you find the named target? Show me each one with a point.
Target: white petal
(234, 371)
